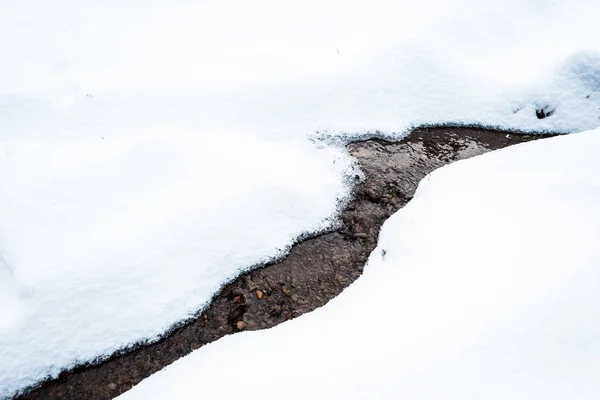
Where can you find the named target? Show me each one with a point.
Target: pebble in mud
(317, 269)
(285, 290)
(241, 325)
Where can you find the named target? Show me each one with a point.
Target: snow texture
(484, 286)
(151, 150)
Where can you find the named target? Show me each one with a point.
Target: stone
(285, 290)
(241, 325)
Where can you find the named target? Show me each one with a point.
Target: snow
(151, 150)
(488, 288)
(106, 242)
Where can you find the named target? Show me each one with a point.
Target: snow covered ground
(150, 150)
(488, 288)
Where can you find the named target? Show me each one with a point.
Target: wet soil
(315, 271)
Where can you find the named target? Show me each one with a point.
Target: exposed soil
(315, 271)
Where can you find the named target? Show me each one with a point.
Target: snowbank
(484, 286)
(151, 150)
(108, 241)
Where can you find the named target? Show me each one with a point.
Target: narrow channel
(316, 270)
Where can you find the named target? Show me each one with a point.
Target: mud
(315, 271)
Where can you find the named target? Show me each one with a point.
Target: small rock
(241, 325)
(112, 386)
(545, 111)
(285, 290)
(259, 294)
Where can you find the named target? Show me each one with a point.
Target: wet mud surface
(315, 271)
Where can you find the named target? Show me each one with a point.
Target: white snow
(150, 150)
(105, 242)
(488, 289)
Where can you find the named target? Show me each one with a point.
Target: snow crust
(151, 150)
(488, 288)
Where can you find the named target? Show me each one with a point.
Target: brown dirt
(315, 271)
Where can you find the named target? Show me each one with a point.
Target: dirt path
(315, 271)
